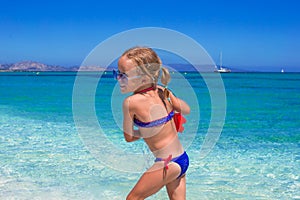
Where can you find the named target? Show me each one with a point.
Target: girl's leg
(177, 189)
(153, 180)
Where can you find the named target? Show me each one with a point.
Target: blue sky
(255, 35)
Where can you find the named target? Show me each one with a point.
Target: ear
(145, 79)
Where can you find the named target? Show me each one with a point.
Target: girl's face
(127, 75)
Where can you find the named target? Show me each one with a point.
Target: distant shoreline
(32, 66)
(42, 73)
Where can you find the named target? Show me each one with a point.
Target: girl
(152, 108)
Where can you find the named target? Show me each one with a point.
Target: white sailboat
(222, 69)
(282, 70)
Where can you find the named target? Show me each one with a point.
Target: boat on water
(282, 70)
(221, 69)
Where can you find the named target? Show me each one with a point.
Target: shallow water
(43, 156)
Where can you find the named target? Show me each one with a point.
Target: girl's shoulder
(134, 100)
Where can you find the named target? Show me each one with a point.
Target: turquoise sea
(43, 156)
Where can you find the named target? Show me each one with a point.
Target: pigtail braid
(165, 79)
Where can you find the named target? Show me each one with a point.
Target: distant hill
(29, 66)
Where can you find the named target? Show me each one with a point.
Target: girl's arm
(179, 105)
(130, 134)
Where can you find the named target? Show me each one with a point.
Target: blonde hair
(149, 63)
